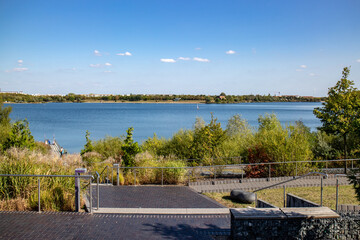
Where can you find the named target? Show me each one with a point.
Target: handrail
(33, 175)
(252, 164)
(97, 190)
(289, 180)
(77, 185)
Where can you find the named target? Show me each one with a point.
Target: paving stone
(15, 225)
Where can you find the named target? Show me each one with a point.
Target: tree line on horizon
(222, 98)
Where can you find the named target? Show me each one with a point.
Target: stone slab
(257, 213)
(163, 210)
(311, 212)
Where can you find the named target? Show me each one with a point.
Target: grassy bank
(275, 196)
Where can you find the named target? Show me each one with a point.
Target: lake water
(68, 122)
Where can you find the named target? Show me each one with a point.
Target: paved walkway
(140, 222)
(33, 225)
(254, 184)
(154, 200)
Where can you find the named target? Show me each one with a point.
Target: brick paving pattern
(32, 225)
(253, 184)
(152, 197)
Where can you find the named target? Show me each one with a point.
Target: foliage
(5, 126)
(282, 144)
(239, 138)
(340, 114)
(72, 97)
(130, 149)
(56, 193)
(109, 148)
(207, 139)
(172, 171)
(88, 147)
(257, 154)
(20, 136)
(354, 179)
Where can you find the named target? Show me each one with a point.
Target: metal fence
(190, 174)
(76, 177)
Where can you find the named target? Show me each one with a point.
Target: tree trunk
(345, 153)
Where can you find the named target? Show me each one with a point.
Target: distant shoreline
(162, 102)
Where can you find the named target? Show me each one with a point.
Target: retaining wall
(295, 201)
(292, 223)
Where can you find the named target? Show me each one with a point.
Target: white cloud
(97, 53)
(20, 62)
(313, 74)
(124, 54)
(197, 48)
(95, 65)
(230, 52)
(184, 58)
(107, 71)
(299, 70)
(201, 59)
(17, 70)
(303, 66)
(358, 60)
(108, 64)
(168, 60)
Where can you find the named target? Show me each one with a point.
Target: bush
(283, 144)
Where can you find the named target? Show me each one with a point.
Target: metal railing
(76, 177)
(295, 178)
(214, 171)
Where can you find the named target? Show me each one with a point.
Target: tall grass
(57, 193)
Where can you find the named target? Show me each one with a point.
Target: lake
(68, 122)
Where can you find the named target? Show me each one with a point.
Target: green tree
(207, 139)
(340, 112)
(88, 147)
(20, 136)
(130, 149)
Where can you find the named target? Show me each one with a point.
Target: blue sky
(178, 47)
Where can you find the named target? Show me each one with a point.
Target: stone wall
(292, 223)
(295, 201)
(263, 204)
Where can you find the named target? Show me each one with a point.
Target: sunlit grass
(275, 196)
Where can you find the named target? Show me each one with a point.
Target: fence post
(256, 200)
(39, 208)
(215, 173)
(134, 176)
(321, 196)
(284, 196)
(108, 178)
(117, 173)
(189, 176)
(296, 173)
(337, 194)
(90, 190)
(78, 171)
(97, 192)
(269, 172)
(162, 176)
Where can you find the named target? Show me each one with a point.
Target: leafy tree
(207, 139)
(354, 179)
(88, 147)
(130, 149)
(340, 113)
(20, 136)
